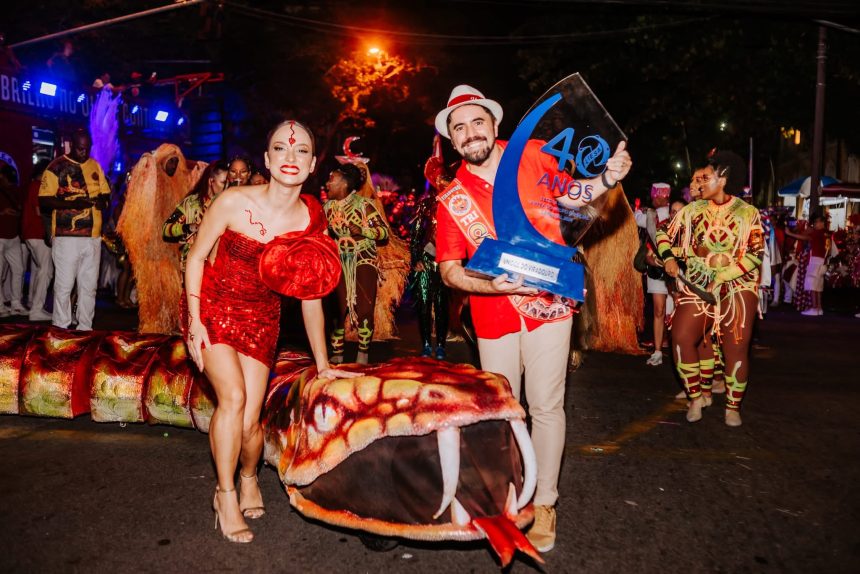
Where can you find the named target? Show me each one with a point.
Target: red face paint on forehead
(292, 139)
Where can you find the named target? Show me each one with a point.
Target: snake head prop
(414, 448)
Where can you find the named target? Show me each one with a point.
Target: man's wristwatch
(606, 182)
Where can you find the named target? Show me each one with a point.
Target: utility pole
(750, 173)
(818, 133)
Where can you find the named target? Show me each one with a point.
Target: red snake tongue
(505, 538)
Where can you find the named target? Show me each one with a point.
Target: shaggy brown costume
(151, 197)
(613, 311)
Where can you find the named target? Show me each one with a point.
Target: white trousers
(12, 263)
(40, 274)
(25, 262)
(544, 355)
(75, 259)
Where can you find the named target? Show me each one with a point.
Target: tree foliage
(685, 84)
(355, 79)
(670, 75)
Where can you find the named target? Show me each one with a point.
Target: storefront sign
(23, 94)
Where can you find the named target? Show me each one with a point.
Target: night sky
(667, 71)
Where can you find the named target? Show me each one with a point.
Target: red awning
(841, 189)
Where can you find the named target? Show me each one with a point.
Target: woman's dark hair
(354, 176)
(731, 166)
(271, 134)
(202, 186)
(243, 158)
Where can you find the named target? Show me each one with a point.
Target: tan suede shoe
(542, 532)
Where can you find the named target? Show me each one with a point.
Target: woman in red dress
(233, 316)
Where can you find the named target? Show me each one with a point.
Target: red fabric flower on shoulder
(303, 264)
(305, 267)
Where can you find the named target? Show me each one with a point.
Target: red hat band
(463, 98)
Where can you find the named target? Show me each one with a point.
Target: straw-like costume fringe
(393, 265)
(151, 197)
(392, 262)
(613, 311)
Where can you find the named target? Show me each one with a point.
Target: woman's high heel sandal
(253, 512)
(241, 536)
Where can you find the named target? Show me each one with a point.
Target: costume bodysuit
(236, 308)
(357, 288)
(722, 245)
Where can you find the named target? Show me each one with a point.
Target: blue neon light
(48, 89)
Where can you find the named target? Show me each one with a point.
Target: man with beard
(75, 190)
(518, 329)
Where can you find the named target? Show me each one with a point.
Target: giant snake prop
(414, 448)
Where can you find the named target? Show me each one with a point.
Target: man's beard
(479, 155)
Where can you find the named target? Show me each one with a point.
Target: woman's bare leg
(816, 300)
(256, 376)
(659, 300)
(224, 371)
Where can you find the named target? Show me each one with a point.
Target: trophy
(536, 236)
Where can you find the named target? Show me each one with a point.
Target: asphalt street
(641, 489)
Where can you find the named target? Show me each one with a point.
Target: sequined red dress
(236, 308)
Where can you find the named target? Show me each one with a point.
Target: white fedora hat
(460, 96)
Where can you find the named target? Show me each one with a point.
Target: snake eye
(326, 417)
